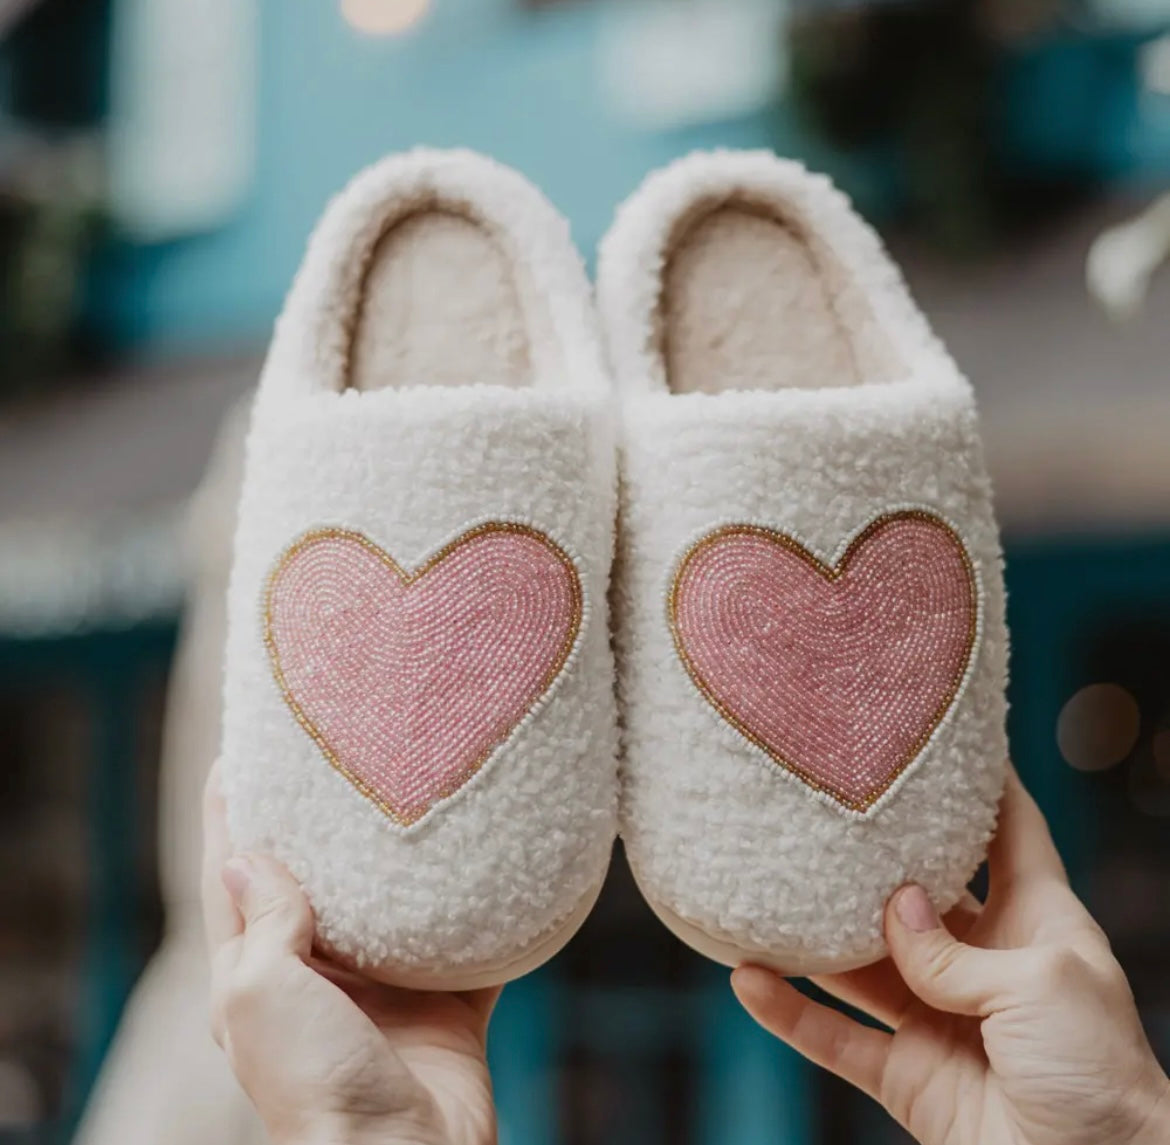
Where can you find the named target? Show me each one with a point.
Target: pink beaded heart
(841, 673)
(408, 681)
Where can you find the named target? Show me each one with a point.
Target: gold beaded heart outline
(832, 570)
(408, 577)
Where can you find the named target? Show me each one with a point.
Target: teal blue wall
(487, 74)
(524, 86)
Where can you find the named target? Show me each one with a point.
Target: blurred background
(161, 165)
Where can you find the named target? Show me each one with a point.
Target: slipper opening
(437, 268)
(754, 299)
(439, 305)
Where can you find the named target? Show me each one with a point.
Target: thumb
(277, 916)
(944, 972)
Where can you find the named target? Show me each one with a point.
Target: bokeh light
(384, 17)
(1098, 727)
(1161, 754)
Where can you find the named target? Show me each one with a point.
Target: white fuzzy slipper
(418, 708)
(809, 607)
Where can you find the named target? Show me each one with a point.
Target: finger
(480, 1003)
(1022, 847)
(828, 1039)
(944, 972)
(222, 921)
(254, 974)
(879, 990)
(223, 966)
(876, 990)
(960, 920)
(397, 1007)
(278, 920)
(483, 1002)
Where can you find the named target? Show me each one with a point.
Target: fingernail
(914, 909)
(750, 979)
(236, 875)
(745, 972)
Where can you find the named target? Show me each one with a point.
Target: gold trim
(408, 578)
(832, 573)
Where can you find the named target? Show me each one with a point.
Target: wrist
(351, 1129)
(1153, 1117)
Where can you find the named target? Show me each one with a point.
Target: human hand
(326, 1056)
(1023, 1033)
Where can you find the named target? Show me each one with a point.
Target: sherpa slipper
(809, 608)
(418, 699)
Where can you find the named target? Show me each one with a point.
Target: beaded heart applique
(408, 681)
(841, 672)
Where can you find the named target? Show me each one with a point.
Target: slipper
(419, 717)
(809, 607)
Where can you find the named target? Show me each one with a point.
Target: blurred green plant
(50, 219)
(919, 77)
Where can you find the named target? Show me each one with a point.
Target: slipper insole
(439, 307)
(748, 305)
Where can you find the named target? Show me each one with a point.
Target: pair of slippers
(806, 606)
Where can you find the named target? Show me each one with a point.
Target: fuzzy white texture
(510, 862)
(734, 847)
(313, 334)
